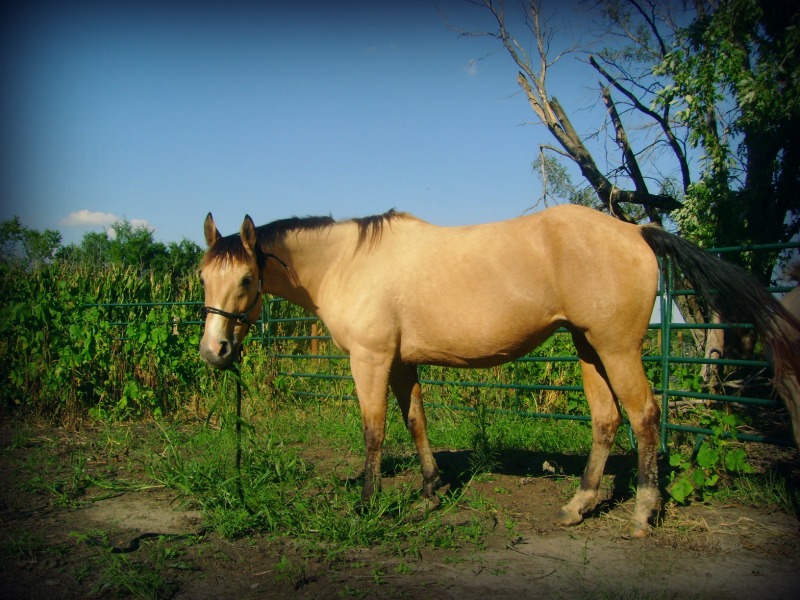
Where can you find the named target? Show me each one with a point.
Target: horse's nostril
(224, 349)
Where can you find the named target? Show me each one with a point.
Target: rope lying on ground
(135, 543)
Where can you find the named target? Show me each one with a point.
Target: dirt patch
(51, 550)
(143, 513)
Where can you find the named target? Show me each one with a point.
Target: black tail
(734, 294)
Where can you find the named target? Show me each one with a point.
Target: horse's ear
(211, 231)
(248, 233)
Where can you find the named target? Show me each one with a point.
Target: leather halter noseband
(261, 259)
(240, 317)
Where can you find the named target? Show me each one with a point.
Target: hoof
(636, 531)
(433, 502)
(426, 505)
(568, 518)
(429, 488)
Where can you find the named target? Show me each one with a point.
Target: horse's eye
(246, 281)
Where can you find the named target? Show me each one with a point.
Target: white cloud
(472, 67)
(93, 218)
(85, 217)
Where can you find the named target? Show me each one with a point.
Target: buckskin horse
(396, 292)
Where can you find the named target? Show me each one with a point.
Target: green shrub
(716, 458)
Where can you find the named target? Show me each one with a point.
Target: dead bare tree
(532, 78)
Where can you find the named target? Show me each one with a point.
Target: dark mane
(370, 230)
(276, 232)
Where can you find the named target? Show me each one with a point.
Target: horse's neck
(309, 256)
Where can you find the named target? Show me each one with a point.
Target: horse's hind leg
(404, 381)
(632, 390)
(605, 422)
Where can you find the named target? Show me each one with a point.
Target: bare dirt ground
(698, 551)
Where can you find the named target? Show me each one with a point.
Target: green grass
(301, 479)
(142, 579)
(280, 492)
(315, 501)
(283, 491)
(764, 490)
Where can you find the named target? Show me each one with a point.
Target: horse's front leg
(405, 385)
(371, 375)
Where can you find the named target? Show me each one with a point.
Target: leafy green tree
(184, 256)
(557, 185)
(93, 250)
(129, 245)
(134, 245)
(21, 246)
(10, 239)
(735, 74)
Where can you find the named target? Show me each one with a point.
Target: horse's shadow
(458, 468)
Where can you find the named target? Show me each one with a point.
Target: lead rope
(238, 428)
(239, 487)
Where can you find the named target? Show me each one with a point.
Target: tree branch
(628, 156)
(534, 83)
(662, 121)
(651, 22)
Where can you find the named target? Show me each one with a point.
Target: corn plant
(63, 352)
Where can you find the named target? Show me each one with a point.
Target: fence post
(265, 312)
(666, 337)
(314, 340)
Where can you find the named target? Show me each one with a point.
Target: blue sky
(160, 115)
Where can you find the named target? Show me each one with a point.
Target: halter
(261, 259)
(240, 317)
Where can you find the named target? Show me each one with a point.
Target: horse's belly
(466, 350)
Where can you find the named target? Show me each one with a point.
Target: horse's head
(231, 277)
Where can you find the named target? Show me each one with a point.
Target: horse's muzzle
(220, 354)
